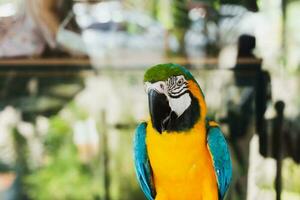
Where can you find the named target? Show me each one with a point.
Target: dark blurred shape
(277, 128)
(292, 145)
(285, 135)
(263, 95)
(296, 150)
(48, 96)
(246, 44)
(278, 136)
(252, 75)
(254, 84)
(251, 5)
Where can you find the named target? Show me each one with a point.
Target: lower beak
(159, 109)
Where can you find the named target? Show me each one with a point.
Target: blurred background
(71, 91)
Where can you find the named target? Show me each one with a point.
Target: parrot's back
(182, 165)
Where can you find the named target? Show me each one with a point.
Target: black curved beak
(159, 110)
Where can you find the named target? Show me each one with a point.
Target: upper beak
(159, 109)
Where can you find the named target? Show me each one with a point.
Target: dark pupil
(180, 81)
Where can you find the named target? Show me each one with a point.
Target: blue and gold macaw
(178, 153)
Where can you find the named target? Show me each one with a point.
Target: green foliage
(290, 179)
(211, 3)
(77, 111)
(63, 176)
(180, 14)
(124, 185)
(59, 130)
(291, 174)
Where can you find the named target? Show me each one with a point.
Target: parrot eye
(180, 81)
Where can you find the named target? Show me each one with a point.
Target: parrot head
(176, 101)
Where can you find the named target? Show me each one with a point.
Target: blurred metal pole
(21, 166)
(277, 145)
(105, 157)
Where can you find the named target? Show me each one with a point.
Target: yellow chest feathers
(182, 165)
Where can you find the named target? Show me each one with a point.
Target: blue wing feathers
(142, 165)
(221, 158)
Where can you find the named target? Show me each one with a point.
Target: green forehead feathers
(162, 72)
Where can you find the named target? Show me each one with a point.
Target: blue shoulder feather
(221, 158)
(142, 165)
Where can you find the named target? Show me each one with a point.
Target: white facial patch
(180, 104)
(159, 86)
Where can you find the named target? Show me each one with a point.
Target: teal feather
(142, 165)
(221, 159)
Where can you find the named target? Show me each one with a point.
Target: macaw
(178, 153)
